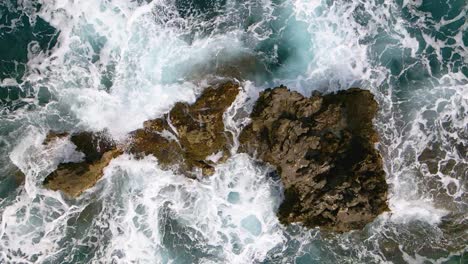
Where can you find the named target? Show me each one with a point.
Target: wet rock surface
(184, 139)
(189, 134)
(74, 178)
(323, 149)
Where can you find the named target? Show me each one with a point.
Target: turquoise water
(112, 64)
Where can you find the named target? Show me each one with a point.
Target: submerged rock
(242, 67)
(188, 135)
(323, 149)
(14, 178)
(53, 135)
(75, 178)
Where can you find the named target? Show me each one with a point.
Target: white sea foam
(141, 213)
(155, 204)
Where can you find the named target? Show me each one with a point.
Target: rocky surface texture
(189, 137)
(74, 178)
(323, 149)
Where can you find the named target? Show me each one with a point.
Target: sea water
(112, 64)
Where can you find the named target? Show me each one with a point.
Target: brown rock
(188, 134)
(323, 149)
(15, 176)
(52, 136)
(75, 178)
(93, 145)
(184, 137)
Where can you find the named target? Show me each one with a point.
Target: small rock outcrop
(74, 178)
(189, 137)
(323, 149)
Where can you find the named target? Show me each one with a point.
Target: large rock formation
(189, 137)
(323, 149)
(74, 178)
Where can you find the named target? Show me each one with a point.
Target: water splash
(114, 64)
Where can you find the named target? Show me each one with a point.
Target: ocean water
(112, 64)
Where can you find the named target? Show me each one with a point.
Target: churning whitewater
(68, 65)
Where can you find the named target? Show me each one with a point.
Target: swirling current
(112, 64)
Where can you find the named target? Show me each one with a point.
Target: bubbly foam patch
(160, 212)
(118, 63)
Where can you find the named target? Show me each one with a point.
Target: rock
(189, 134)
(93, 145)
(53, 135)
(75, 178)
(243, 67)
(323, 149)
(19, 177)
(187, 137)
